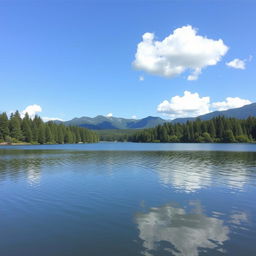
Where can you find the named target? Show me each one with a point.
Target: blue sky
(74, 58)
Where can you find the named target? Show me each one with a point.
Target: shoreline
(135, 142)
(16, 144)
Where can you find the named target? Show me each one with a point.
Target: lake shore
(15, 144)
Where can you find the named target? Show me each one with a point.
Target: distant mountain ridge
(109, 123)
(239, 113)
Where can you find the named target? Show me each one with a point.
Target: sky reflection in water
(129, 203)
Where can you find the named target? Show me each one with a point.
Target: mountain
(239, 113)
(108, 123)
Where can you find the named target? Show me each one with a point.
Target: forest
(34, 131)
(16, 129)
(218, 129)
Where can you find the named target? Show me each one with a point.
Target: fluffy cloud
(32, 110)
(236, 63)
(188, 105)
(192, 105)
(141, 78)
(183, 50)
(134, 117)
(230, 103)
(109, 115)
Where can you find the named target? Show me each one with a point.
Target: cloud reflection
(238, 218)
(192, 172)
(188, 175)
(33, 174)
(186, 233)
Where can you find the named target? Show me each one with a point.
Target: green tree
(41, 134)
(48, 135)
(228, 137)
(4, 126)
(15, 127)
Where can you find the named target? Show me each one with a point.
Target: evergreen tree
(219, 129)
(211, 129)
(48, 135)
(4, 126)
(229, 136)
(15, 127)
(41, 134)
(27, 133)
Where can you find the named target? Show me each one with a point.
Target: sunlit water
(124, 199)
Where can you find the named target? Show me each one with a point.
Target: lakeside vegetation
(116, 134)
(15, 130)
(218, 129)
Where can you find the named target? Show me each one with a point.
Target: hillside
(115, 123)
(239, 113)
(111, 123)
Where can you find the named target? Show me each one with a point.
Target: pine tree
(15, 127)
(228, 136)
(4, 126)
(48, 135)
(211, 129)
(41, 134)
(27, 133)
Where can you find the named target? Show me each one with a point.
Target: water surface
(128, 199)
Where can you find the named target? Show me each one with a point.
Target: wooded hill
(114, 123)
(218, 129)
(17, 130)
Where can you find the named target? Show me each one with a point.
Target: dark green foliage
(115, 134)
(15, 126)
(219, 129)
(4, 126)
(36, 131)
(228, 137)
(27, 132)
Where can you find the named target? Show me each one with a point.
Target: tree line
(19, 130)
(218, 129)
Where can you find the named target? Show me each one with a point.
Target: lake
(128, 199)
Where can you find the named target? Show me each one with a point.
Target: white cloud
(181, 51)
(236, 63)
(192, 105)
(141, 78)
(109, 115)
(46, 119)
(230, 102)
(188, 105)
(134, 117)
(32, 110)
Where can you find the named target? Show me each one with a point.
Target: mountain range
(107, 123)
(239, 113)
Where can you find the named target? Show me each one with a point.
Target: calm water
(124, 199)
